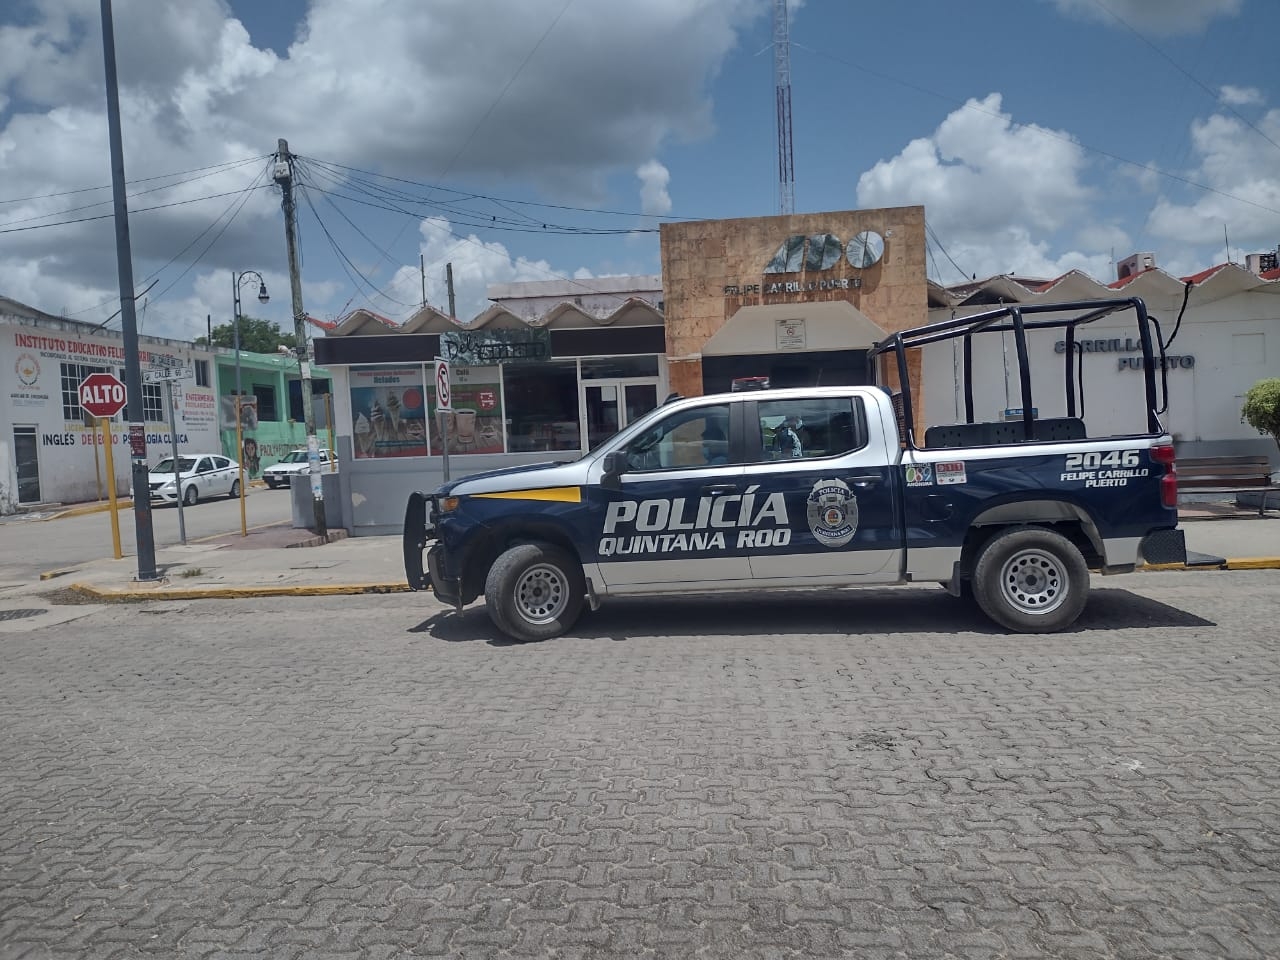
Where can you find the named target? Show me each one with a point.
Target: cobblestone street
(869, 774)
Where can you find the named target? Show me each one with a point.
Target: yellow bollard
(111, 488)
(244, 529)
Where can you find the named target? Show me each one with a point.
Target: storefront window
(475, 425)
(541, 406)
(388, 412)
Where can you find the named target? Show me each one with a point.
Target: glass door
(609, 405)
(26, 456)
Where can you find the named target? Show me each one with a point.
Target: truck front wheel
(1031, 580)
(534, 592)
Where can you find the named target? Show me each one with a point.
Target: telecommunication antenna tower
(782, 82)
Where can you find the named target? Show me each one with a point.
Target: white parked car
(292, 464)
(203, 475)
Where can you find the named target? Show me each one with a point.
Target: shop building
(548, 370)
(50, 450)
(271, 413)
(1227, 339)
(55, 446)
(797, 300)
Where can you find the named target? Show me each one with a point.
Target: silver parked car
(202, 475)
(295, 464)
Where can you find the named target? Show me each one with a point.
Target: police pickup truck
(823, 486)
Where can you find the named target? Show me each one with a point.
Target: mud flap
(415, 541)
(1164, 546)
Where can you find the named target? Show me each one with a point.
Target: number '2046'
(1094, 459)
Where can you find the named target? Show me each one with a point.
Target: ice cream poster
(388, 415)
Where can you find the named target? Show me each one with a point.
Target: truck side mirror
(615, 465)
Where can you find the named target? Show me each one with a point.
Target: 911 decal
(1099, 468)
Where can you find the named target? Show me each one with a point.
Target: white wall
(72, 467)
(1234, 342)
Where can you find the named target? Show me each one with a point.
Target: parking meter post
(244, 528)
(111, 488)
(173, 438)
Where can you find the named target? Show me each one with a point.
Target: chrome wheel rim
(542, 593)
(1034, 581)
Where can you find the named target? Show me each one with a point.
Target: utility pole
(283, 175)
(448, 281)
(143, 531)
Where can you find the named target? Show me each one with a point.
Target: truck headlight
(449, 504)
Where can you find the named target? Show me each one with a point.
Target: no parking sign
(444, 395)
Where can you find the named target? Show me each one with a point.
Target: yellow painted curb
(1251, 563)
(51, 574)
(124, 503)
(163, 592)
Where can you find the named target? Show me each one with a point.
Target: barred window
(72, 374)
(202, 373)
(152, 402)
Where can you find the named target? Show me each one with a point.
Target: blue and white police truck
(830, 487)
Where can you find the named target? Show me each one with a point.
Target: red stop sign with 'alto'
(102, 394)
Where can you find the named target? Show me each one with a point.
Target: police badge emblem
(832, 512)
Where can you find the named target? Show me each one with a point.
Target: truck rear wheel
(1031, 580)
(534, 592)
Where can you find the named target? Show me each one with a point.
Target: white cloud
(988, 186)
(1239, 166)
(477, 264)
(1155, 16)
(1240, 96)
(394, 85)
(654, 179)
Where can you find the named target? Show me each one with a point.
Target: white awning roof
(828, 325)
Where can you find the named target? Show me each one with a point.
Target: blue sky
(1041, 136)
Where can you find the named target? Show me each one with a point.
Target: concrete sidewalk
(272, 561)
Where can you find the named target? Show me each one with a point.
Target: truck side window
(687, 439)
(809, 428)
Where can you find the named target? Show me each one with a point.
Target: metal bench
(1229, 475)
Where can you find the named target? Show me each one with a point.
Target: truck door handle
(865, 480)
(719, 489)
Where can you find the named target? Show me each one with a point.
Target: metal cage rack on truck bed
(1018, 319)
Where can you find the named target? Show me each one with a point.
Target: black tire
(235, 489)
(1031, 580)
(190, 496)
(271, 484)
(534, 592)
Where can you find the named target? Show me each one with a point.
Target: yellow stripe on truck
(558, 494)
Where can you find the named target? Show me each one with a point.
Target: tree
(1262, 408)
(256, 336)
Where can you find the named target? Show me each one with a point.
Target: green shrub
(1262, 408)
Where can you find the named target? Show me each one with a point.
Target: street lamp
(238, 281)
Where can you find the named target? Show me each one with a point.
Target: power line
(132, 196)
(162, 176)
(482, 196)
(1186, 73)
(343, 258)
(929, 230)
(233, 208)
(108, 216)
